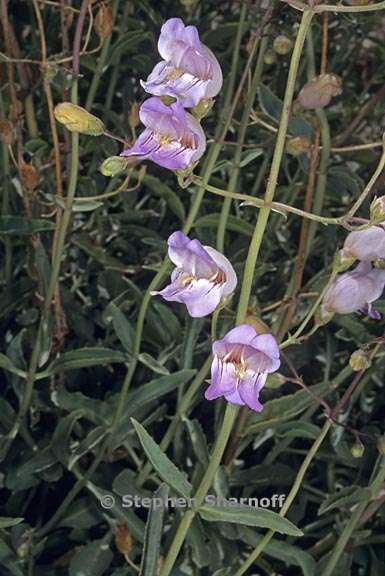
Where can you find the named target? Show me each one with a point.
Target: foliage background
(113, 248)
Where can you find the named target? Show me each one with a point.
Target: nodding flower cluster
(188, 74)
(356, 290)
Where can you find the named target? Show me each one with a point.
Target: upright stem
(231, 409)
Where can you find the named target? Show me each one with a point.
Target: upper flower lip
(365, 245)
(189, 70)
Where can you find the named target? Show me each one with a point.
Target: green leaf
(153, 534)
(8, 522)
(344, 497)
(19, 225)
(92, 560)
(292, 555)
(84, 358)
(272, 107)
(161, 189)
(122, 326)
(165, 468)
(152, 363)
(6, 364)
(233, 223)
(249, 516)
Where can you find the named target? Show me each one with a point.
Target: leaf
(233, 223)
(250, 156)
(6, 364)
(288, 553)
(122, 326)
(152, 363)
(60, 444)
(19, 225)
(155, 389)
(81, 515)
(92, 560)
(298, 430)
(250, 516)
(9, 560)
(344, 497)
(165, 468)
(153, 534)
(161, 189)
(272, 107)
(84, 358)
(8, 522)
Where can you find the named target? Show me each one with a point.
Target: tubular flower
(366, 245)
(242, 361)
(173, 138)
(355, 291)
(189, 70)
(202, 278)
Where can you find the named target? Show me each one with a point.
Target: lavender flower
(242, 361)
(189, 70)
(173, 138)
(366, 245)
(202, 278)
(355, 291)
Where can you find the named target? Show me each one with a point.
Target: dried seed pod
(297, 146)
(359, 360)
(319, 91)
(6, 131)
(123, 540)
(29, 176)
(104, 21)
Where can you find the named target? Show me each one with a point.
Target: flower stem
(232, 410)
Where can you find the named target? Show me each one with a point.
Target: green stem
(289, 500)
(239, 147)
(100, 65)
(231, 409)
(344, 538)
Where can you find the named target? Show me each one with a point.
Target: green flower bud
(359, 360)
(282, 45)
(342, 262)
(202, 109)
(297, 146)
(275, 381)
(77, 119)
(114, 165)
(270, 57)
(377, 209)
(358, 449)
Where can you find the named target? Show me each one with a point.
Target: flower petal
(249, 389)
(190, 255)
(224, 264)
(242, 334)
(223, 379)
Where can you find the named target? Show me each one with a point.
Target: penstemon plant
(192, 298)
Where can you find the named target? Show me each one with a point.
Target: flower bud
(377, 209)
(275, 381)
(257, 324)
(342, 261)
(113, 165)
(297, 146)
(270, 57)
(282, 45)
(133, 117)
(381, 445)
(359, 360)
(319, 91)
(104, 21)
(77, 119)
(202, 109)
(358, 449)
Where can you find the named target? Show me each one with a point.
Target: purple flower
(355, 291)
(189, 71)
(173, 138)
(368, 244)
(202, 278)
(242, 361)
